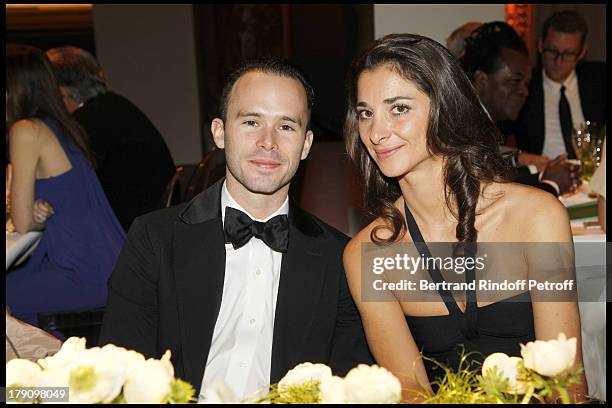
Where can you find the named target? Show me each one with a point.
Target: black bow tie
(239, 228)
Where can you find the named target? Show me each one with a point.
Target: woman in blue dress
(55, 190)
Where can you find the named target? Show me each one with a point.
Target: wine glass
(587, 143)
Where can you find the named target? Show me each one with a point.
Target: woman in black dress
(428, 153)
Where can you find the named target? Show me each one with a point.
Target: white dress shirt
(241, 348)
(553, 136)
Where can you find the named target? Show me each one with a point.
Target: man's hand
(565, 174)
(540, 162)
(42, 211)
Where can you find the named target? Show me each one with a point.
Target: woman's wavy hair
(459, 129)
(32, 91)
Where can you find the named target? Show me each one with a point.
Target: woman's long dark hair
(459, 129)
(33, 92)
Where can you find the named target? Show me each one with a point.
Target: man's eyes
(253, 123)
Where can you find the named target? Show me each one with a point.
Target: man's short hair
(78, 71)
(276, 66)
(566, 21)
(483, 47)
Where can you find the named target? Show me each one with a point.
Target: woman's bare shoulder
(353, 248)
(540, 214)
(28, 131)
(531, 200)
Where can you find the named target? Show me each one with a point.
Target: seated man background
(134, 164)
(497, 62)
(565, 91)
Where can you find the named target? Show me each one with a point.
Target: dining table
(590, 259)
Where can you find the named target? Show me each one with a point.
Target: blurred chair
(172, 194)
(330, 187)
(185, 177)
(210, 169)
(80, 323)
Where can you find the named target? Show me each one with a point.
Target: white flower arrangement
(112, 374)
(309, 383)
(544, 369)
(108, 374)
(550, 358)
(372, 385)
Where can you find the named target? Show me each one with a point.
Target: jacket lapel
(199, 270)
(301, 283)
(587, 97)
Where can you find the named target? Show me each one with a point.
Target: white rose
(550, 358)
(372, 384)
(55, 377)
(22, 373)
(150, 381)
(66, 354)
(219, 393)
(303, 373)
(508, 368)
(94, 378)
(129, 359)
(333, 390)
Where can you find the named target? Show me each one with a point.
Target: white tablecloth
(578, 198)
(590, 255)
(20, 245)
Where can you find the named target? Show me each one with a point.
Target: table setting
(590, 257)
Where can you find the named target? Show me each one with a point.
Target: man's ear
(307, 144)
(217, 128)
(480, 82)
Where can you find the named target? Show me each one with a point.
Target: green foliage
(181, 392)
(306, 393)
(468, 386)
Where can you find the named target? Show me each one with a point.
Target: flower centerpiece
(310, 383)
(108, 374)
(544, 369)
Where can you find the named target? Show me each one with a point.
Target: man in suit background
(134, 164)
(496, 60)
(564, 92)
(236, 300)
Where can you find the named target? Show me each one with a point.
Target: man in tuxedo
(497, 62)
(239, 283)
(134, 164)
(565, 91)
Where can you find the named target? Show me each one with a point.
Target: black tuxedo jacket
(166, 289)
(592, 88)
(134, 164)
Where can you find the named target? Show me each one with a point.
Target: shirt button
(252, 322)
(258, 272)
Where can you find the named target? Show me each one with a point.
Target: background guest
(134, 163)
(456, 41)
(497, 62)
(54, 188)
(564, 91)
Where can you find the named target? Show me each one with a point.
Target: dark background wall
(322, 39)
